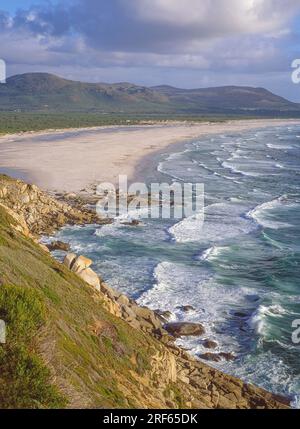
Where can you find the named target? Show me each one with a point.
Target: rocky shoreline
(36, 213)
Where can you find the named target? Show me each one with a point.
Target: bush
(25, 381)
(22, 311)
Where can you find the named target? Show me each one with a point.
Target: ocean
(240, 272)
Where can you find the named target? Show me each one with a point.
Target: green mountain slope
(48, 93)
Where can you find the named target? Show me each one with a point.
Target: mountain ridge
(45, 92)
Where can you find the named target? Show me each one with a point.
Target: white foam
(176, 285)
(211, 253)
(258, 320)
(268, 371)
(235, 169)
(261, 211)
(221, 221)
(279, 147)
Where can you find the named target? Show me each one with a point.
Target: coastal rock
(217, 357)
(81, 266)
(164, 316)
(42, 246)
(228, 356)
(81, 263)
(241, 315)
(42, 213)
(132, 223)
(142, 312)
(58, 245)
(90, 277)
(69, 260)
(3, 192)
(147, 317)
(212, 357)
(185, 329)
(109, 291)
(209, 344)
(19, 225)
(123, 300)
(127, 313)
(186, 308)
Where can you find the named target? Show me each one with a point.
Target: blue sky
(187, 44)
(13, 5)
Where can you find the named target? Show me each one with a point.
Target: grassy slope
(50, 315)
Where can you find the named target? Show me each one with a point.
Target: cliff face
(74, 344)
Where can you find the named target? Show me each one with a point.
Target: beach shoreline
(76, 160)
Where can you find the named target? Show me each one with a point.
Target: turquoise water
(241, 272)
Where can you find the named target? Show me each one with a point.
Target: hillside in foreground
(70, 344)
(42, 92)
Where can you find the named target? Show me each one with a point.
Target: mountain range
(43, 92)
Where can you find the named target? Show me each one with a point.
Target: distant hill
(44, 92)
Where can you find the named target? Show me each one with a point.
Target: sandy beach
(71, 160)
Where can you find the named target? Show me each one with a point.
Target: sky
(188, 44)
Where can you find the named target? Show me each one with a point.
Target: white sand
(69, 161)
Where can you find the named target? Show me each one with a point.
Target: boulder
(58, 245)
(241, 315)
(211, 357)
(3, 192)
(186, 308)
(109, 291)
(185, 329)
(69, 260)
(142, 312)
(45, 248)
(148, 316)
(228, 356)
(81, 263)
(127, 313)
(209, 344)
(24, 199)
(132, 223)
(217, 357)
(123, 300)
(90, 277)
(164, 316)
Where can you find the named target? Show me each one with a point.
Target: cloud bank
(143, 39)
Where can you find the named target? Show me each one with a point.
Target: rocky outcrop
(217, 357)
(41, 213)
(204, 386)
(116, 303)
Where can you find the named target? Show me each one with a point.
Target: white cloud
(197, 38)
(219, 16)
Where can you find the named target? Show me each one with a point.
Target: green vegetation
(63, 348)
(25, 381)
(14, 122)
